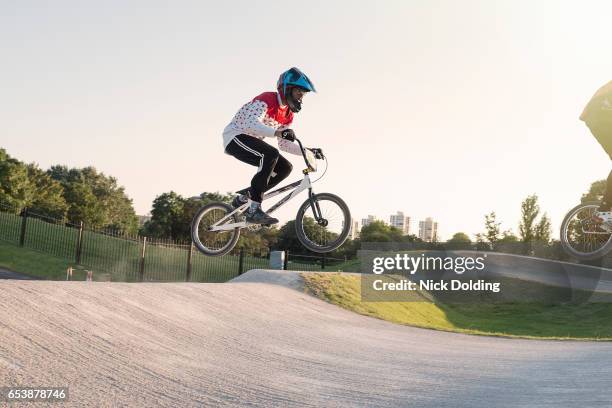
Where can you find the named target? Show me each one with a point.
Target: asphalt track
(260, 341)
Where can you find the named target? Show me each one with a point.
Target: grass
(351, 265)
(49, 249)
(29, 262)
(535, 320)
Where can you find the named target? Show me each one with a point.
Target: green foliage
(595, 192)
(460, 238)
(95, 199)
(167, 217)
(24, 185)
(287, 239)
(529, 212)
(48, 196)
(529, 319)
(348, 250)
(543, 230)
(15, 188)
(171, 217)
(492, 230)
(260, 241)
(508, 237)
(378, 231)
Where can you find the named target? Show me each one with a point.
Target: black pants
(602, 130)
(272, 167)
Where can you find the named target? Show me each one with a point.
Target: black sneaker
(239, 200)
(259, 217)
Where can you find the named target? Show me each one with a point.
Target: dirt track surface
(266, 344)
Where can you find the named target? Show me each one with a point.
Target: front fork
(316, 210)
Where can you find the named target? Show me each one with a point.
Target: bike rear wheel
(214, 243)
(327, 232)
(581, 236)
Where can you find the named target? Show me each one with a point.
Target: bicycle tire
(299, 227)
(195, 223)
(567, 247)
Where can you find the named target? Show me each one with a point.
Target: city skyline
(428, 228)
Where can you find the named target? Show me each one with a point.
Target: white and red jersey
(261, 118)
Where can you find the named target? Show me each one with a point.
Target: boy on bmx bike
(267, 115)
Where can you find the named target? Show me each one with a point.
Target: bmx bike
(322, 224)
(583, 236)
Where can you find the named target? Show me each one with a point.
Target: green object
(586, 321)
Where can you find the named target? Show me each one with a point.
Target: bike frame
(297, 187)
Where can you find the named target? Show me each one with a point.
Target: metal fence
(121, 257)
(322, 262)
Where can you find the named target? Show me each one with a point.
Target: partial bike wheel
(581, 236)
(214, 243)
(331, 230)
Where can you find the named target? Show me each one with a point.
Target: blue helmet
(293, 78)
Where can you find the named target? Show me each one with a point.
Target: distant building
(142, 219)
(401, 222)
(367, 221)
(428, 230)
(354, 234)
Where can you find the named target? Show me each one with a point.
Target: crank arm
(228, 227)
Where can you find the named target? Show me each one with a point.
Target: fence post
(323, 261)
(188, 276)
(24, 222)
(241, 261)
(79, 246)
(286, 260)
(142, 258)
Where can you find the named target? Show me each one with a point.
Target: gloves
(288, 134)
(318, 153)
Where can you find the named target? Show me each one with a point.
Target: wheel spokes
(327, 228)
(214, 240)
(584, 233)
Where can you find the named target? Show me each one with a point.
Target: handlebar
(306, 159)
(303, 152)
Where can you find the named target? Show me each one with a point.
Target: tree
(48, 196)
(171, 217)
(508, 237)
(288, 240)
(460, 238)
(378, 231)
(24, 185)
(529, 212)
(95, 199)
(595, 192)
(15, 188)
(167, 217)
(258, 242)
(543, 229)
(491, 228)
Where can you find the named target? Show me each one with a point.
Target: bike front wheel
(581, 236)
(214, 243)
(323, 222)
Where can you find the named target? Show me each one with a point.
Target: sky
(449, 109)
